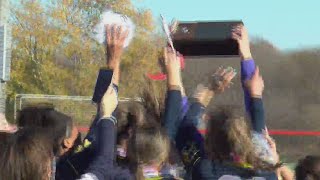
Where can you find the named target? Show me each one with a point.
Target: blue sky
(288, 24)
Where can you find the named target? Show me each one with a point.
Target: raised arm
(240, 34)
(115, 37)
(189, 142)
(102, 164)
(255, 87)
(174, 97)
(219, 81)
(253, 102)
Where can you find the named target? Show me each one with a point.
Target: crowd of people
(149, 142)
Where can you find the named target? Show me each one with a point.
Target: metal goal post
(80, 108)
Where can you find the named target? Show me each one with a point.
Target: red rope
(84, 129)
(294, 133)
(285, 133)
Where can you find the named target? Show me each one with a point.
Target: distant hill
(292, 91)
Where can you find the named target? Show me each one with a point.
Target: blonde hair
(229, 133)
(148, 146)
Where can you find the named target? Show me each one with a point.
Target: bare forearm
(174, 79)
(246, 56)
(116, 75)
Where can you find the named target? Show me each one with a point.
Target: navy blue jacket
(74, 164)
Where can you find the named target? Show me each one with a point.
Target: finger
(229, 76)
(266, 131)
(226, 71)
(124, 35)
(108, 33)
(223, 72)
(268, 138)
(119, 34)
(236, 30)
(173, 26)
(236, 36)
(106, 94)
(238, 26)
(257, 72)
(113, 33)
(218, 71)
(271, 142)
(109, 90)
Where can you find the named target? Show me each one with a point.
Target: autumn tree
(54, 51)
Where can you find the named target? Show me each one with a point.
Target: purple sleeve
(247, 69)
(185, 106)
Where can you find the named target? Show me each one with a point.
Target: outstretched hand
(115, 37)
(255, 84)
(240, 34)
(109, 102)
(222, 78)
(203, 95)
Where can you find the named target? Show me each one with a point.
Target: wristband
(256, 96)
(110, 118)
(174, 87)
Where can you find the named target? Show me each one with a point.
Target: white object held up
(109, 18)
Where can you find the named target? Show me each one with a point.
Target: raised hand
(173, 26)
(240, 34)
(109, 102)
(256, 84)
(173, 69)
(222, 78)
(115, 37)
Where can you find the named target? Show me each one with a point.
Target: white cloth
(108, 18)
(88, 176)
